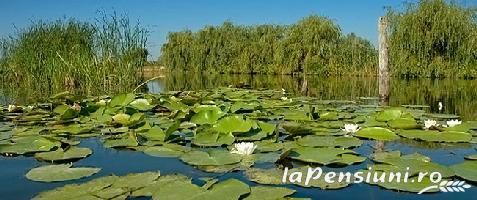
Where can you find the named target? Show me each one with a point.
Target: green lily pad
(154, 134)
(65, 112)
(466, 170)
(403, 123)
(388, 115)
(53, 173)
(436, 136)
(228, 189)
(329, 141)
(212, 157)
(167, 150)
(211, 139)
(329, 116)
(68, 154)
(207, 116)
(128, 141)
(377, 133)
(122, 100)
(141, 105)
(29, 144)
(233, 124)
(325, 156)
(268, 193)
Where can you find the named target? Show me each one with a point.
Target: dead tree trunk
(383, 73)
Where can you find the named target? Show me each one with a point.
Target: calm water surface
(457, 96)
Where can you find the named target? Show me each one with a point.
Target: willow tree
(309, 46)
(433, 38)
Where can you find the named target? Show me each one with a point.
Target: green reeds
(88, 58)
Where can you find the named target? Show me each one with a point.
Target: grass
(68, 54)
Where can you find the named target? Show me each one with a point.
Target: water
(457, 96)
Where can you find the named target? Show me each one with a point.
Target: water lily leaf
(212, 157)
(464, 127)
(325, 156)
(75, 129)
(167, 150)
(403, 123)
(212, 139)
(441, 116)
(466, 170)
(415, 162)
(78, 191)
(128, 141)
(242, 106)
(329, 141)
(29, 144)
(377, 133)
(177, 190)
(53, 173)
(388, 115)
(268, 193)
(68, 154)
(150, 189)
(266, 129)
(436, 136)
(141, 105)
(329, 116)
(412, 184)
(234, 124)
(228, 189)
(122, 100)
(296, 115)
(65, 112)
(295, 128)
(154, 134)
(207, 116)
(268, 146)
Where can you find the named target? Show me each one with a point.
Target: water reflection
(457, 96)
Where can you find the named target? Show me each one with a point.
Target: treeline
(314, 45)
(434, 38)
(48, 57)
(431, 38)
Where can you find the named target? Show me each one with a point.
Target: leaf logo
(448, 186)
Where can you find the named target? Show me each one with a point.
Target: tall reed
(68, 54)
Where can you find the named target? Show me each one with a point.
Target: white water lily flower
(453, 123)
(440, 105)
(140, 101)
(351, 128)
(284, 98)
(243, 148)
(12, 108)
(283, 91)
(430, 123)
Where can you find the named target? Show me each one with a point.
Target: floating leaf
(53, 173)
(388, 115)
(436, 136)
(403, 123)
(65, 112)
(212, 157)
(68, 154)
(233, 124)
(167, 150)
(329, 141)
(466, 170)
(207, 116)
(122, 100)
(29, 144)
(325, 156)
(377, 133)
(268, 193)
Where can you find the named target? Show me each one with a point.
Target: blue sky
(163, 16)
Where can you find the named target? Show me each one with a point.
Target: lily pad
(325, 156)
(207, 116)
(29, 144)
(54, 173)
(436, 136)
(212, 157)
(68, 154)
(403, 123)
(377, 133)
(388, 115)
(122, 100)
(233, 124)
(167, 150)
(329, 141)
(466, 170)
(268, 193)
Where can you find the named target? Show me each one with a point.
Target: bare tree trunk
(383, 72)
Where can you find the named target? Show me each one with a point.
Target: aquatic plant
(67, 54)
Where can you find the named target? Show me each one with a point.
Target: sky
(163, 16)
